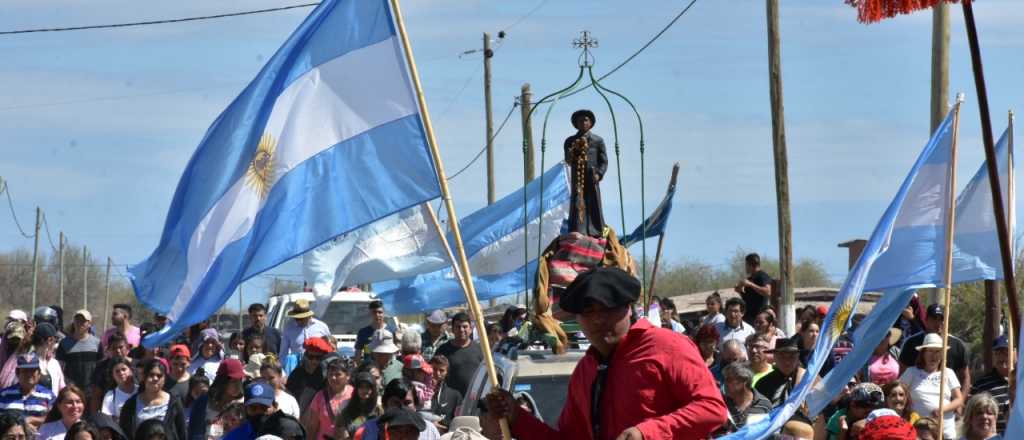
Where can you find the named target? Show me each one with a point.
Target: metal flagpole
(435, 153)
(948, 275)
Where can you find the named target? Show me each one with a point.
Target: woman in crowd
(271, 372)
(151, 430)
(328, 403)
(362, 406)
(864, 398)
(198, 386)
(209, 355)
(883, 366)
(225, 390)
(980, 418)
(67, 410)
(745, 404)
(923, 382)
(714, 310)
(707, 341)
(808, 337)
(12, 427)
(397, 394)
(123, 378)
(897, 398)
(44, 343)
(764, 324)
(83, 431)
(153, 403)
(927, 429)
(236, 346)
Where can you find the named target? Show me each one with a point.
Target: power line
(48, 237)
(498, 131)
(634, 55)
(5, 188)
(528, 14)
(146, 23)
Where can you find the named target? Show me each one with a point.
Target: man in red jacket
(636, 382)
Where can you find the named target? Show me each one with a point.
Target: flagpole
(948, 275)
(661, 242)
(447, 248)
(1011, 210)
(435, 153)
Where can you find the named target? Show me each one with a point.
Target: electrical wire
(524, 17)
(482, 150)
(635, 54)
(10, 203)
(48, 237)
(151, 22)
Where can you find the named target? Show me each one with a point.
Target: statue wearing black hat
(588, 161)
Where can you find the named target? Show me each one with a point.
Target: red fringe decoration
(870, 11)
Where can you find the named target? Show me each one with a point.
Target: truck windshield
(346, 318)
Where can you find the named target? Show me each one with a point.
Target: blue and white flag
(327, 138)
(975, 257)
(655, 223)
(493, 238)
(915, 214)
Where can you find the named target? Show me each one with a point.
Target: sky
(98, 125)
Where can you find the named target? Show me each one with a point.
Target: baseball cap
(1000, 342)
(28, 361)
(85, 314)
(868, 394)
(403, 417)
(15, 330)
(17, 315)
(318, 344)
(936, 310)
(232, 368)
(180, 350)
(46, 330)
(416, 362)
(259, 393)
(437, 317)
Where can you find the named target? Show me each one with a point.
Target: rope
(4, 188)
(146, 23)
(482, 150)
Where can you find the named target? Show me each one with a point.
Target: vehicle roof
(544, 363)
(347, 296)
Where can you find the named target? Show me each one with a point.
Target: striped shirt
(994, 384)
(35, 404)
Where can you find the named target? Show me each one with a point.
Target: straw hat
(931, 340)
(300, 309)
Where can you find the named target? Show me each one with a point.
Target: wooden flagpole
(447, 248)
(474, 305)
(1011, 210)
(661, 240)
(948, 275)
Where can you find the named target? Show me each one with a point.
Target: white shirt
(209, 365)
(114, 400)
(712, 319)
(52, 369)
(924, 393)
(739, 334)
(287, 404)
(294, 336)
(54, 430)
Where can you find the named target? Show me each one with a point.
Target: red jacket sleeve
(691, 382)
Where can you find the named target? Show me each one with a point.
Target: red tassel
(870, 11)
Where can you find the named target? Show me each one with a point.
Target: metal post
(490, 118)
(106, 294)
(525, 97)
(85, 277)
(787, 313)
(60, 272)
(35, 259)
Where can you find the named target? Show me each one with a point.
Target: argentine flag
(915, 218)
(327, 138)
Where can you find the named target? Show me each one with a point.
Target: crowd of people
(757, 365)
(82, 382)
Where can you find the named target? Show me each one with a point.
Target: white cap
(17, 315)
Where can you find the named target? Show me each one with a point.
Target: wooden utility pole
(85, 277)
(787, 312)
(106, 291)
(940, 86)
(488, 53)
(524, 106)
(60, 271)
(993, 315)
(35, 259)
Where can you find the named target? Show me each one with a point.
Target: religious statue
(588, 161)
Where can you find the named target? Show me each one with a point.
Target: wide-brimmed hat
(383, 342)
(931, 340)
(437, 317)
(581, 113)
(300, 309)
(785, 345)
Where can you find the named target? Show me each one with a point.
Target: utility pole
(787, 313)
(940, 87)
(524, 106)
(85, 277)
(488, 53)
(35, 259)
(106, 294)
(60, 270)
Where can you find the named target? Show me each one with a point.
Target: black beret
(581, 113)
(610, 286)
(403, 416)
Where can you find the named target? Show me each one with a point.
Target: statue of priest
(585, 153)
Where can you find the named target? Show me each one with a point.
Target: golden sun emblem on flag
(840, 319)
(260, 175)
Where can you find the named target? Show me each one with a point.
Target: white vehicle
(347, 313)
